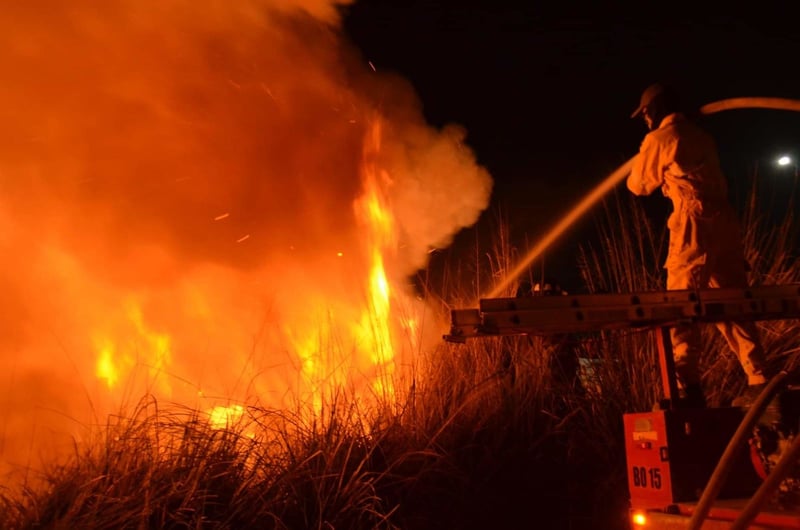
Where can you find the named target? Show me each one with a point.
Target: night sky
(545, 93)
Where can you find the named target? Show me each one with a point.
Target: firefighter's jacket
(681, 158)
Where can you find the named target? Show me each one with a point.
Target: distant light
(639, 519)
(784, 160)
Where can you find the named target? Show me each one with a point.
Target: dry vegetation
(492, 434)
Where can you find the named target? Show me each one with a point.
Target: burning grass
(161, 469)
(458, 437)
(499, 433)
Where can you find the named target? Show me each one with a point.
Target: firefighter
(705, 247)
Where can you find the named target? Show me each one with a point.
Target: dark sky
(546, 92)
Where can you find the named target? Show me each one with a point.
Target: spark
(266, 89)
(372, 66)
(222, 216)
(243, 238)
(340, 254)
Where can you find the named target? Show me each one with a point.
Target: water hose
(619, 175)
(751, 103)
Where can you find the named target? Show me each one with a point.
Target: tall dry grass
(496, 433)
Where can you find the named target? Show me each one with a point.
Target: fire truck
(687, 467)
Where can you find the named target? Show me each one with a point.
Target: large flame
(213, 203)
(372, 210)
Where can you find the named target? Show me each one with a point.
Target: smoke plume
(177, 191)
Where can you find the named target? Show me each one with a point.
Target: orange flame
(374, 213)
(324, 364)
(134, 345)
(221, 417)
